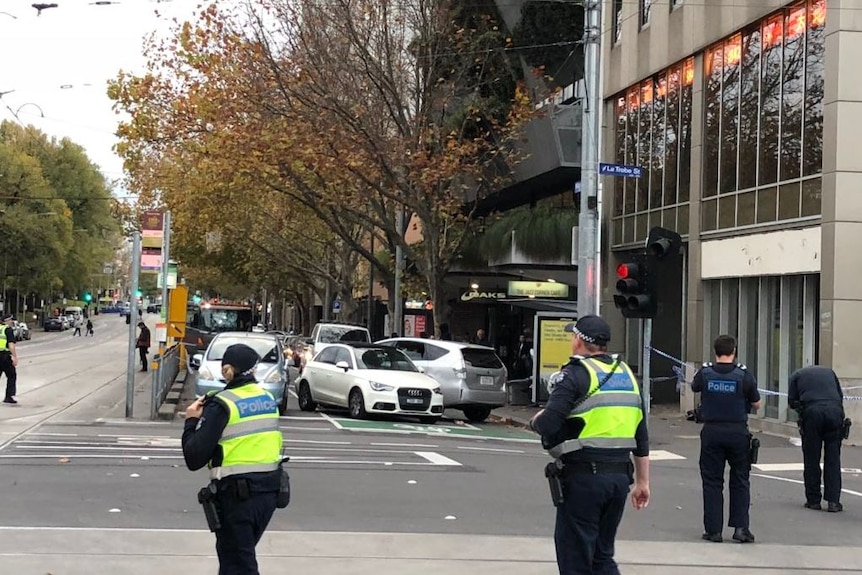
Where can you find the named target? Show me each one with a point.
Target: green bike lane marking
(436, 430)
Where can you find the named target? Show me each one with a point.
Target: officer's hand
(640, 496)
(14, 362)
(196, 409)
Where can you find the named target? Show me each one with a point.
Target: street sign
(336, 305)
(621, 170)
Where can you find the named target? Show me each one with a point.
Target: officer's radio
(208, 498)
(554, 473)
(845, 428)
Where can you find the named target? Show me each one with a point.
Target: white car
(368, 378)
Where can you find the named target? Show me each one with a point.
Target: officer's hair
(228, 372)
(724, 345)
(594, 347)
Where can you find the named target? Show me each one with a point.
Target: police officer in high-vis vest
(728, 393)
(593, 422)
(235, 432)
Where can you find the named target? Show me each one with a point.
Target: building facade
(745, 117)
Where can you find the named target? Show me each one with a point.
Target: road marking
(403, 445)
(661, 455)
(293, 459)
(798, 482)
(778, 467)
(300, 417)
(491, 449)
(318, 442)
(45, 434)
(293, 393)
(332, 421)
(437, 459)
(295, 428)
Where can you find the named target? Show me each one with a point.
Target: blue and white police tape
(680, 376)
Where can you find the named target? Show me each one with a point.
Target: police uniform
(593, 431)
(7, 339)
(816, 394)
(727, 390)
(238, 438)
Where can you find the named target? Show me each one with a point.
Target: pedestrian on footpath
(728, 393)
(815, 393)
(593, 422)
(89, 327)
(235, 432)
(143, 344)
(9, 357)
(78, 322)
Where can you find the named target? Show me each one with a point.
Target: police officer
(235, 432)
(593, 422)
(9, 357)
(728, 392)
(816, 394)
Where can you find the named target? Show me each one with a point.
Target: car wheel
(282, 407)
(476, 414)
(430, 419)
(306, 402)
(357, 404)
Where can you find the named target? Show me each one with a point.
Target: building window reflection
(653, 130)
(763, 121)
(617, 20)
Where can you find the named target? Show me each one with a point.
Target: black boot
(712, 537)
(834, 507)
(743, 535)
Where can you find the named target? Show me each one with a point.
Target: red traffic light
(627, 271)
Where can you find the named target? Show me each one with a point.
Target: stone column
(841, 267)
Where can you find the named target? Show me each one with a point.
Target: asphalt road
(76, 475)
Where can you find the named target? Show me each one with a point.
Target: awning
(539, 304)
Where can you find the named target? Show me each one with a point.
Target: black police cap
(591, 329)
(241, 357)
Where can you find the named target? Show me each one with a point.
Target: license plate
(486, 380)
(414, 400)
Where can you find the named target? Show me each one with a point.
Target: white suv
(325, 334)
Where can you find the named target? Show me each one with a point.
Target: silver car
(472, 377)
(271, 373)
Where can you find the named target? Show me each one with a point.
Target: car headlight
(205, 373)
(437, 390)
(380, 386)
(273, 377)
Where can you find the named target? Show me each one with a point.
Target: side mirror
(420, 368)
(343, 365)
(309, 341)
(197, 360)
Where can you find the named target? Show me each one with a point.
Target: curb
(168, 408)
(506, 420)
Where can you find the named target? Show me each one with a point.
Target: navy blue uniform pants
(11, 374)
(821, 433)
(243, 524)
(720, 444)
(587, 522)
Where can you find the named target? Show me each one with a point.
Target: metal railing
(167, 370)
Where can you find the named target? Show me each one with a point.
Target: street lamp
(42, 6)
(41, 112)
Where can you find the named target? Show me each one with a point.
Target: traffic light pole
(647, 386)
(587, 219)
(133, 324)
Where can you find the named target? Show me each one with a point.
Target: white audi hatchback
(367, 378)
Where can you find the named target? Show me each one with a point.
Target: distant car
(22, 331)
(271, 373)
(369, 379)
(154, 308)
(55, 324)
(473, 377)
(324, 334)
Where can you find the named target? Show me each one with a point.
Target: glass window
(748, 342)
(811, 197)
(767, 200)
(793, 92)
(771, 292)
(710, 213)
(620, 138)
(770, 98)
(727, 211)
(633, 99)
(745, 207)
(685, 130)
(749, 114)
(433, 352)
(788, 201)
(617, 20)
(671, 136)
(658, 141)
(384, 358)
(343, 354)
(483, 358)
(812, 149)
(644, 144)
(712, 122)
(730, 114)
(645, 6)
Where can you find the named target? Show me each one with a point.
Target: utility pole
(371, 285)
(588, 218)
(398, 311)
(166, 258)
(133, 324)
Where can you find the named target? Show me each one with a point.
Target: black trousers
(11, 374)
(722, 443)
(821, 432)
(587, 523)
(243, 524)
(143, 353)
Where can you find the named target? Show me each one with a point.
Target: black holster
(283, 499)
(208, 498)
(753, 450)
(845, 428)
(554, 474)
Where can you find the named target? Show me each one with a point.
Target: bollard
(157, 376)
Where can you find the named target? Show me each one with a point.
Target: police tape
(679, 371)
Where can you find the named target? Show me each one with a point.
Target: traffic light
(635, 297)
(196, 299)
(662, 244)
(139, 293)
(88, 297)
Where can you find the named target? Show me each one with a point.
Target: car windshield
(335, 334)
(215, 319)
(265, 347)
(384, 358)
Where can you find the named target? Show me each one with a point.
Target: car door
(341, 380)
(321, 375)
(437, 363)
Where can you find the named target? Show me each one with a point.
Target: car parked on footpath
(369, 379)
(271, 373)
(472, 377)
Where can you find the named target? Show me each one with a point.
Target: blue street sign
(620, 170)
(336, 306)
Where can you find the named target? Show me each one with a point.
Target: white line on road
(798, 482)
(491, 449)
(778, 467)
(317, 442)
(293, 459)
(332, 421)
(296, 428)
(96, 446)
(300, 417)
(661, 455)
(403, 445)
(45, 434)
(437, 459)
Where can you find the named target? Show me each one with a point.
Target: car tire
(477, 414)
(356, 404)
(306, 401)
(282, 407)
(430, 419)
